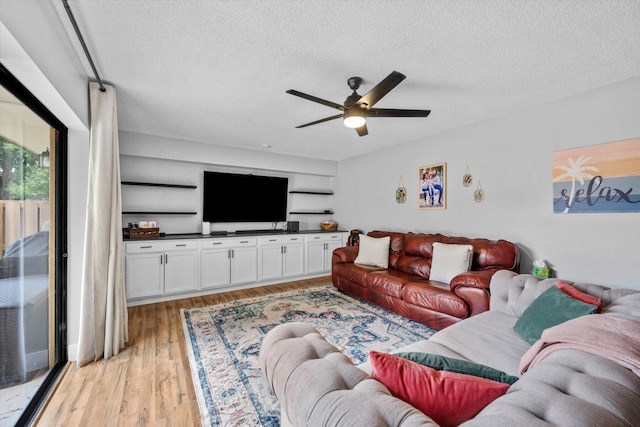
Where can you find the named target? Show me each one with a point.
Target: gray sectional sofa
(317, 385)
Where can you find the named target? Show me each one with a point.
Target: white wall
(136, 144)
(511, 156)
(51, 68)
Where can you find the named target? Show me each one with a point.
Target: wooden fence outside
(20, 218)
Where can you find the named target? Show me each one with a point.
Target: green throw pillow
(442, 363)
(551, 308)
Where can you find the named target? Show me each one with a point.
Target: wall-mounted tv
(230, 197)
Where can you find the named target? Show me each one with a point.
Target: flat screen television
(230, 197)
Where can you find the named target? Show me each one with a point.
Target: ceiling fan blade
(391, 112)
(326, 119)
(362, 130)
(316, 99)
(382, 88)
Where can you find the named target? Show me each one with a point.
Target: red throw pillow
(448, 398)
(580, 296)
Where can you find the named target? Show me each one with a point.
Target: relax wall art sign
(599, 178)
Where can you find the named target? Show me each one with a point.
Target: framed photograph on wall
(432, 184)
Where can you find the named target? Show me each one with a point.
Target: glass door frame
(59, 163)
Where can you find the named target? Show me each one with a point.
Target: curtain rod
(84, 46)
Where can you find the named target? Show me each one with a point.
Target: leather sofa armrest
(473, 287)
(474, 279)
(344, 255)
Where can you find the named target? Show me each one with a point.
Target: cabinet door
(293, 259)
(180, 271)
(270, 262)
(216, 268)
(244, 267)
(331, 246)
(315, 257)
(144, 275)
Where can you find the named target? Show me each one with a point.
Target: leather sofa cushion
(435, 296)
(388, 282)
(355, 273)
(415, 265)
(421, 244)
(417, 252)
(488, 253)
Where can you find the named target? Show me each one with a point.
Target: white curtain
(103, 318)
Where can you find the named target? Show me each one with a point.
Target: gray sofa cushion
(489, 340)
(319, 386)
(475, 339)
(627, 306)
(512, 293)
(570, 388)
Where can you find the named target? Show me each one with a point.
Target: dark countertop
(222, 235)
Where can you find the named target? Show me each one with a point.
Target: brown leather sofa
(404, 287)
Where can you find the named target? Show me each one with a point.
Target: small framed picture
(432, 183)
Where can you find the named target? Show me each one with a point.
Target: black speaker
(293, 226)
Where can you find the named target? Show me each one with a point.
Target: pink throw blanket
(612, 337)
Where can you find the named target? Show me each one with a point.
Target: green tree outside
(22, 177)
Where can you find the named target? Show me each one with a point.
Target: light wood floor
(149, 382)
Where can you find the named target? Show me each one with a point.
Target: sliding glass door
(32, 251)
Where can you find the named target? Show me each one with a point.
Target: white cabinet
(280, 256)
(158, 268)
(319, 248)
(228, 262)
(144, 275)
(181, 270)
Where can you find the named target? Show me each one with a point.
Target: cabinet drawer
(156, 246)
(278, 240)
(329, 237)
(227, 243)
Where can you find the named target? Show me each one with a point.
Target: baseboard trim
(72, 352)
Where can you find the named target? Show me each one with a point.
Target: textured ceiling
(217, 71)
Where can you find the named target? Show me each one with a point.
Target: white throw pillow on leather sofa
(373, 251)
(449, 260)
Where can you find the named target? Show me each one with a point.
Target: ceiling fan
(357, 108)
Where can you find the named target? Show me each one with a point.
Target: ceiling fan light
(353, 120)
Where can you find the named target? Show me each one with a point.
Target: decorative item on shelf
(141, 233)
(467, 179)
(540, 269)
(206, 228)
(141, 230)
(328, 226)
(478, 195)
(354, 238)
(401, 192)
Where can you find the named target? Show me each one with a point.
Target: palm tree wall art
(599, 178)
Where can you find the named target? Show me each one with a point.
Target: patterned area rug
(224, 343)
